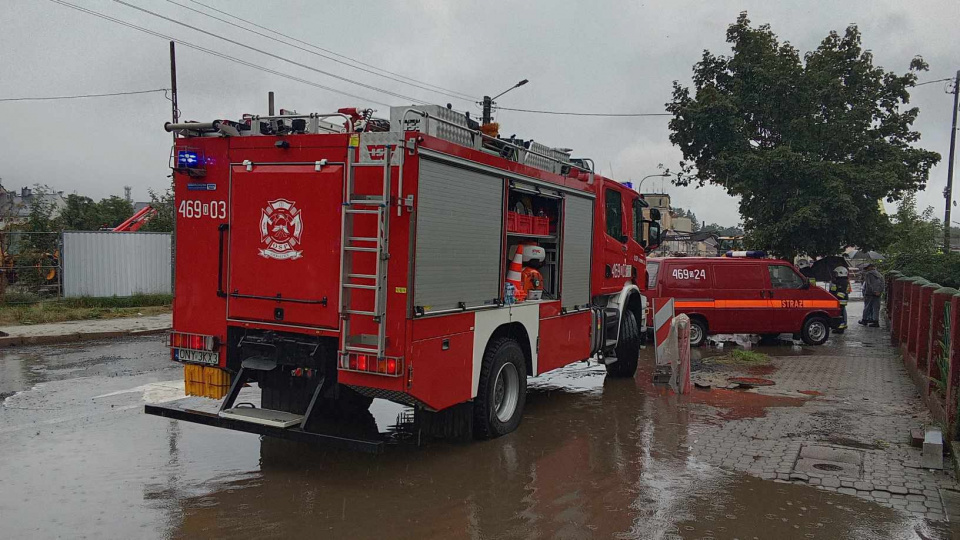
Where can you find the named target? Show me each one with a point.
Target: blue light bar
(188, 159)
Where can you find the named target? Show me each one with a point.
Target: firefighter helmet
(840, 271)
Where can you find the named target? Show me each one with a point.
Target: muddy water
(593, 458)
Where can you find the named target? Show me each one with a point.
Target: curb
(16, 341)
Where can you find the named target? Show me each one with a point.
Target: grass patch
(741, 357)
(82, 309)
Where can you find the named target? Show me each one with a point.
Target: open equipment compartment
(534, 214)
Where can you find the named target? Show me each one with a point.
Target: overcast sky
(587, 57)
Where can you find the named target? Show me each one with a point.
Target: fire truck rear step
(294, 433)
(265, 417)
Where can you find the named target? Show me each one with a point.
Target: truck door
(636, 254)
(787, 296)
(616, 267)
(284, 244)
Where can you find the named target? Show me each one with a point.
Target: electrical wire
(48, 98)
(215, 53)
(442, 90)
(267, 53)
(584, 113)
(331, 58)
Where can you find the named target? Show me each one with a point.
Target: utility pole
(488, 102)
(173, 85)
(948, 191)
(176, 119)
(487, 105)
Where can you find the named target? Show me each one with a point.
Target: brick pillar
(888, 298)
(894, 307)
(953, 378)
(924, 327)
(903, 329)
(913, 321)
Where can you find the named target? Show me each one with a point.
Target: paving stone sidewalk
(863, 418)
(37, 334)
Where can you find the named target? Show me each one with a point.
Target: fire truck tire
(815, 331)
(628, 348)
(698, 332)
(502, 391)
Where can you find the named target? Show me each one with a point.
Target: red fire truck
(336, 258)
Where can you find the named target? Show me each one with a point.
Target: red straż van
(730, 295)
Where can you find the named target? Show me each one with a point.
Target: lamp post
(663, 175)
(488, 101)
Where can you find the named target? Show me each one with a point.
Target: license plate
(196, 357)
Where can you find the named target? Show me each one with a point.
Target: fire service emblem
(280, 230)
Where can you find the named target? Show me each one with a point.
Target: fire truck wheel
(628, 348)
(816, 331)
(698, 332)
(502, 391)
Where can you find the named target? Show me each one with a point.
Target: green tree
(163, 203)
(80, 214)
(810, 144)
(113, 211)
(913, 232)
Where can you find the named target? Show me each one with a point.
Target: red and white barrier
(672, 339)
(663, 312)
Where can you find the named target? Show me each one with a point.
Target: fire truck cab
(336, 258)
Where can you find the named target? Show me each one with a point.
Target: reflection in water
(594, 457)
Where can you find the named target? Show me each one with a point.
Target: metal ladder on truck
(354, 205)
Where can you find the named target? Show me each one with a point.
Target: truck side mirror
(654, 214)
(654, 235)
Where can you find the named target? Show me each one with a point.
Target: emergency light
(187, 159)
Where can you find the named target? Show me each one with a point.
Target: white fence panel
(104, 263)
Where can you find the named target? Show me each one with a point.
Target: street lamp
(663, 175)
(488, 101)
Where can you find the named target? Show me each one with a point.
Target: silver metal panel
(459, 230)
(414, 122)
(105, 263)
(474, 165)
(577, 245)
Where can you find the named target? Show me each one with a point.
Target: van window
(653, 268)
(614, 213)
(783, 277)
(687, 276)
(734, 276)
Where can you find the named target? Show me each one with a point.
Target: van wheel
(628, 348)
(815, 331)
(698, 332)
(502, 391)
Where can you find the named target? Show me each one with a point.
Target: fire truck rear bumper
(291, 433)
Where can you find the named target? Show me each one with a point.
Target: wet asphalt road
(593, 458)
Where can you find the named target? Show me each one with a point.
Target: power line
(48, 98)
(423, 86)
(214, 53)
(585, 113)
(328, 51)
(266, 53)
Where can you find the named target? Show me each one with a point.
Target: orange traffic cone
(514, 275)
